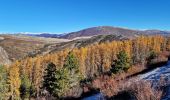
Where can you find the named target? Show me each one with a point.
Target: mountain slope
(107, 30)
(19, 46)
(79, 43)
(157, 32)
(102, 30)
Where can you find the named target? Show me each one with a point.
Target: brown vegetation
(115, 88)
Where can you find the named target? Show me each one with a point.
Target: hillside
(19, 46)
(102, 30)
(77, 43)
(158, 32)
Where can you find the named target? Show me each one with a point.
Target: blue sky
(59, 16)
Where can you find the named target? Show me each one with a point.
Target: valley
(87, 64)
(20, 46)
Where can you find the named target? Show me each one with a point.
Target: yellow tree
(149, 44)
(61, 55)
(113, 47)
(157, 42)
(28, 67)
(90, 62)
(168, 44)
(98, 63)
(127, 47)
(106, 56)
(14, 81)
(37, 74)
(136, 50)
(81, 54)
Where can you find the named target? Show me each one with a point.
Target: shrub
(144, 91)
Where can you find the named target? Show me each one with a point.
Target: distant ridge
(101, 30)
(104, 30)
(47, 35)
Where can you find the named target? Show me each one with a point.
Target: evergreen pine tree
(71, 62)
(69, 76)
(122, 63)
(50, 79)
(72, 65)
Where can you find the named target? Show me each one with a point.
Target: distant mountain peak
(104, 30)
(101, 30)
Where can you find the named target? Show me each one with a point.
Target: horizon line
(27, 32)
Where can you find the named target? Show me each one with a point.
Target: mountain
(107, 30)
(157, 32)
(47, 35)
(102, 30)
(18, 46)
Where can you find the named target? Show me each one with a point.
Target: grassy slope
(18, 47)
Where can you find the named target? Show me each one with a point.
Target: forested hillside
(62, 73)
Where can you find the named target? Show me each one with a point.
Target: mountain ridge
(104, 30)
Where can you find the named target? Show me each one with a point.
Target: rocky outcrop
(4, 59)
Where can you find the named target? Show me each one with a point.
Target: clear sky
(60, 16)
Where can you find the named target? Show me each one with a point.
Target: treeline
(30, 77)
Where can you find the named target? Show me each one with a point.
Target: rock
(4, 59)
(1, 38)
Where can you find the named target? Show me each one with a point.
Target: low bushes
(132, 89)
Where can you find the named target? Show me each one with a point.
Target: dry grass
(19, 46)
(135, 69)
(107, 85)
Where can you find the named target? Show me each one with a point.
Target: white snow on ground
(156, 75)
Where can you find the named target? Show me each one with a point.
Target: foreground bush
(143, 91)
(118, 89)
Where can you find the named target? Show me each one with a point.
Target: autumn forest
(59, 74)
